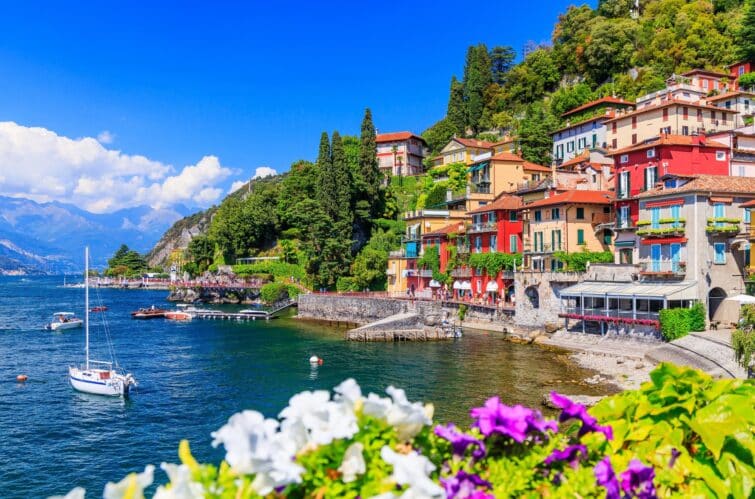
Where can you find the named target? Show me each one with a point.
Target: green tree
(202, 251)
(615, 8)
(438, 135)
(746, 34)
(567, 98)
(455, 112)
(610, 48)
(370, 178)
(327, 188)
(369, 267)
(534, 134)
(570, 38)
(531, 80)
(501, 62)
(477, 77)
(341, 175)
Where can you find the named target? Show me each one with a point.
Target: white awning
(491, 287)
(743, 244)
(457, 285)
(685, 290)
(434, 284)
(466, 285)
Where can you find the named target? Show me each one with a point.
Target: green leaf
(726, 415)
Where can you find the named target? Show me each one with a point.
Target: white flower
(407, 417)
(181, 485)
(75, 493)
(323, 419)
(348, 392)
(254, 446)
(353, 462)
(412, 470)
(134, 484)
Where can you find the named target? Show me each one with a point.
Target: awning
(478, 166)
(743, 244)
(624, 244)
(491, 287)
(457, 285)
(434, 284)
(685, 290)
(466, 286)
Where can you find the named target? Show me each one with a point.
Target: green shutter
(580, 236)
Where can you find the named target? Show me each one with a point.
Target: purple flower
(466, 486)
(515, 422)
(605, 477)
(572, 454)
(637, 480)
(674, 456)
(460, 441)
(571, 410)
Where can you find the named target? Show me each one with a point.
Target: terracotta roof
(504, 202)
(532, 167)
(448, 229)
(705, 72)
(671, 102)
(582, 158)
(670, 140)
(396, 136)
(730, 94)
(474, 143)
(748, 204)
(506, 156)
(720, 184)
(506, 140)
(574, 197)
(743, 61)
(597, 117)
(595, 103)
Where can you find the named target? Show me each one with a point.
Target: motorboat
(64, 320)
(101, 308)
(178, 315)
(149, 313)
(96, 376)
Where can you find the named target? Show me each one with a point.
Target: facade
(707, 81)
(445, 238)
(738, 100)
(401, 153)
(462, 151)
(639, 168)
(741, 144)
(570, 221)
(585, 128)
(507, 144)
(738, 69)
(696, 230)
(670, 117)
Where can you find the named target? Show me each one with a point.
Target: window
(727, 104)
(555, 214)
(713, 116)
(675, 211)
(535, 177)
(741, 71)
(624, 158)
(634, 121)
(746, 215)
(580, 236)
(580, 213)
(685, 112)
(570, 146)
(624, 217)
(624, 184)
(613, 143)
(538, 242)
(655, 217)
(719, 253)
(651, 176)
(720, 155)
(650, 153)
(705, 84)
(559, 151)
(699, 115)
(655, 257)
(634, 138)
(594, 141)
(723, 117)
(613, 127)
(478, 244)
(538, 215)
(594, 178)
(719, 210)
(665, 114)
(491, 217)
(493, 243)
(741, 171)
(513, 244)
(556, 240)
(666, 130)
(512, 216)
(685, 130)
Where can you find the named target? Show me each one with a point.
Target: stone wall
(213, 295)
(538, 294)
(353, 309)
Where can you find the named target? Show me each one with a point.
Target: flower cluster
(517, 422)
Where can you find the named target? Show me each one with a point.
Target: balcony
(397, 254)
(721, 226)
(663, 268)
(624, 225)
(425, 273)
(602, 218)
(665, 227)
(484, 227)
(462, 249)
(461, 272)
(542, 248)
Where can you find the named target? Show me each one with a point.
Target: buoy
(21, 378)
(319, 362)
(315, 360)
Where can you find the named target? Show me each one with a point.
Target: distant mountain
(49, 237)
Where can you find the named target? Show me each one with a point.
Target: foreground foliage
(743, 338)
(682, 434)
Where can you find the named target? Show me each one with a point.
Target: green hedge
(273, 292)
(281, 270)
(678, 322)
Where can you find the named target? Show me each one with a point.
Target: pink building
(401, 153)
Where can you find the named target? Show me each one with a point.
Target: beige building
(570, 221)
(740, 101)
(462, 151)
(670, 117)
(400, 153)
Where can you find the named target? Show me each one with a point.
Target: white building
(401, 153)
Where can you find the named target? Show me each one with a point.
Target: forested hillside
(335, 220)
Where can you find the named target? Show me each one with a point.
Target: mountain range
(50, 237)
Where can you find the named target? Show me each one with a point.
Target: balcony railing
(663, 268)
(601, 218)
(541, 248)
(396, 254)
(598, 313)
(484, 227)
(461, 272)
(722, 226)
(665, 227)
(462, 249)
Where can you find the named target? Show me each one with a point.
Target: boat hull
(73, 324)
(91, 381)
(178, 316)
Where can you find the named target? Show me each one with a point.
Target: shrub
(273, 292)
(281, 270)
(344, 284)
(682, 434)
(462, 311)
(675, 323)
(696, 316)
(577, 261)
(743, 338)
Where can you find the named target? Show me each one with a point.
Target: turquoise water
(193, 376)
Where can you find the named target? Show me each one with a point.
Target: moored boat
(178, 315)
(149, 313)
(101, 308)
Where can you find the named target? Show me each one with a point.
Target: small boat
(101, 308)
(178, 315)
(149, 313)
(96, 376)
(64, 320)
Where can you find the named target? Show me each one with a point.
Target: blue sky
(251, 83)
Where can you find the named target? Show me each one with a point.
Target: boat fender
(315, 360)
(21, 378)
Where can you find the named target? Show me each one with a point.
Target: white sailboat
(96, 376)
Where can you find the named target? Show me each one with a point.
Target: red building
(421, 279)
(638, 168)
(495, 228)
(738, 69)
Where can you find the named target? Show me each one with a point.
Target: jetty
(244, 315)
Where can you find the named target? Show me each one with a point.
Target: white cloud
(238, 184)
(39, 164)
(105, 137)
(264, 171)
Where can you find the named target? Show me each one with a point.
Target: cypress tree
(341, 199)
(747, 32)
(455, 112)
(326, 191)
(501, 62)
(477, 77)
(369, 191)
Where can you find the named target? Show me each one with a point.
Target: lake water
(193, 376)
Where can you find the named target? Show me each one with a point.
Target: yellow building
(666, 116)
(462, 151)
(571, 221)
(506, 144)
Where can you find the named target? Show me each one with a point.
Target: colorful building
(741, 144)
(638, 169)
(401, 153)
(741, 101)
(570, 221)
(460, 150)
(738, 69)
(707, 81)
(451, 241)
(585, 129)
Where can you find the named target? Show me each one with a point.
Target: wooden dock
(251, 315)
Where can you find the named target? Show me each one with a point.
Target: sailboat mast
(86, 301)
